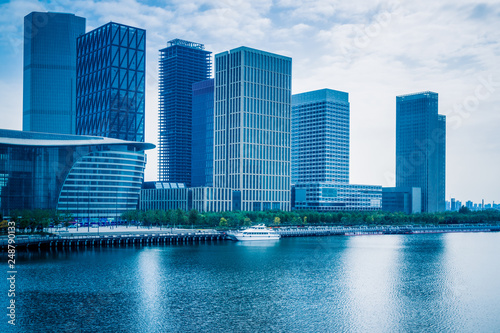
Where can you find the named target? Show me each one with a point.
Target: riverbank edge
(116, 237)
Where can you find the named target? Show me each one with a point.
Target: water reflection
(371, 264)
(399, 283)
(420, 285)
(150, 284)
(262, 243)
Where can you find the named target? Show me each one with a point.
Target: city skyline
(374, 54)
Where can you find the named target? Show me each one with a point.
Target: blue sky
(374, 50)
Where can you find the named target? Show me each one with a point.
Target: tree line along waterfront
(38, 220)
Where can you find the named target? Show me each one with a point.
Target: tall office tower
(110, 90)
(252, 128)
(182, 63)
(320, 155)
(320, 137)
(49, 75)
(202, 156)
(421, 148)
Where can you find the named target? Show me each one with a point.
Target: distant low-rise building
(331, 196)
(167, 196)
(402, 199)
(163, 196)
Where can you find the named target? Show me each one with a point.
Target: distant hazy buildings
(469, 204)
(202, 152)
(111, 64)
(49, 74)
(182, 63)
(70, 173)
(400, 199)
(320, 155)
(252, 128)
(421, 148)
(453, 206)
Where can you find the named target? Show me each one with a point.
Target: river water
(383, 283)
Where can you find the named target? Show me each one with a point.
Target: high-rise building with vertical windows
(320, 155)
(252, 128)
(421, 148)
(202, 155)
(49, 74)
(111, 63)
(182, 63)
(320, 136)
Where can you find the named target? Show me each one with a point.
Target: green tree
(277, 220)
(161, 217)
(223, 222)
(179, 217)
(193, 217)
(66, 218)
(149, 217)
(464, 210)
(40, 219)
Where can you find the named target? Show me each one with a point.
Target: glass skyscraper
(182, 63)
(202, 156)
(320, 136)
(111, 62)
(320, 155)
(49, 75)
(421, 148)
(252, 128)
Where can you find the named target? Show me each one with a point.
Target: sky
(374, 50)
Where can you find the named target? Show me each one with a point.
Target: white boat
(256, 232)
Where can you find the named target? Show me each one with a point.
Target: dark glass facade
(421, 148)
(401, 199)
(182, 63)
(110, 94)
(202, 156)
(49, 74)
(93, 177)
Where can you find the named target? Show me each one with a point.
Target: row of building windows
(263, 77)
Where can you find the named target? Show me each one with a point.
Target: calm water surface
(393, 283)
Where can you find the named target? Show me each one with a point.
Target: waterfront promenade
(121, 235)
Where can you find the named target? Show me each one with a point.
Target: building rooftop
(186, 43)
(24, 138)
(161, 185)
(418, 95)
(242, 48)
(321, 95)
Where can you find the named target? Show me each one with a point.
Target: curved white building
(92, 177)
